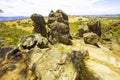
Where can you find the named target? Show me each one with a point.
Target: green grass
(106, 25)
(74, 27)
(11, 35)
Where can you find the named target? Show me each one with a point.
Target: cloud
(73, 7)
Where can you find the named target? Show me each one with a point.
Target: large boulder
(91, 38)
(94, 26)
(59, 65)
(58, 28)
(39, 24)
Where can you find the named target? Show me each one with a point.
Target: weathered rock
(58, 30)
(91, 38)
(94, 26)
(33, 40)
(42, 64)
(39, 24)
(4, 50)
(59, 65)
(59, 33)
(51, 17)
(63, 16)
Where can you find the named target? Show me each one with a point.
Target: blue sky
(71, 7)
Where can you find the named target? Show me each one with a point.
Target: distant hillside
(11, 18)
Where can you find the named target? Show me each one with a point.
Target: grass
(107, 27)
(11, 34)
(24, 24)
(73, 27)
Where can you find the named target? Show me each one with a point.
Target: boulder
(58, 28)
(33, 40)
(91, 38)
(59, 65)
(39, 24)
(94, 26)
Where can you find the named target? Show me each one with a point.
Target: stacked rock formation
(39, 24)
(94, 31)
(94, 26)
(58, 27)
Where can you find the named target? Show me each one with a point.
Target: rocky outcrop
(34, 59)
(93, 34)
(58, 31)
(94, 26)
(39, 24)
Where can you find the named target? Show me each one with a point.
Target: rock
(59, 33)
(39, 24)
(51, 17)
(33, 40)
(42, 64)
(64, 15)
(94, 26)
(79, 33)
(91, 38)
(58, 28)
(59, 65)
(4, 50)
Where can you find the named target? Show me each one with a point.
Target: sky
(71, 7)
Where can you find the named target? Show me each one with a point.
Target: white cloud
(27, 7)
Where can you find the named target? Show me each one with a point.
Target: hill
(11, 18)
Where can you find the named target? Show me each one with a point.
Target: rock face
(39, 24)
(58, 27)
(34, 59)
